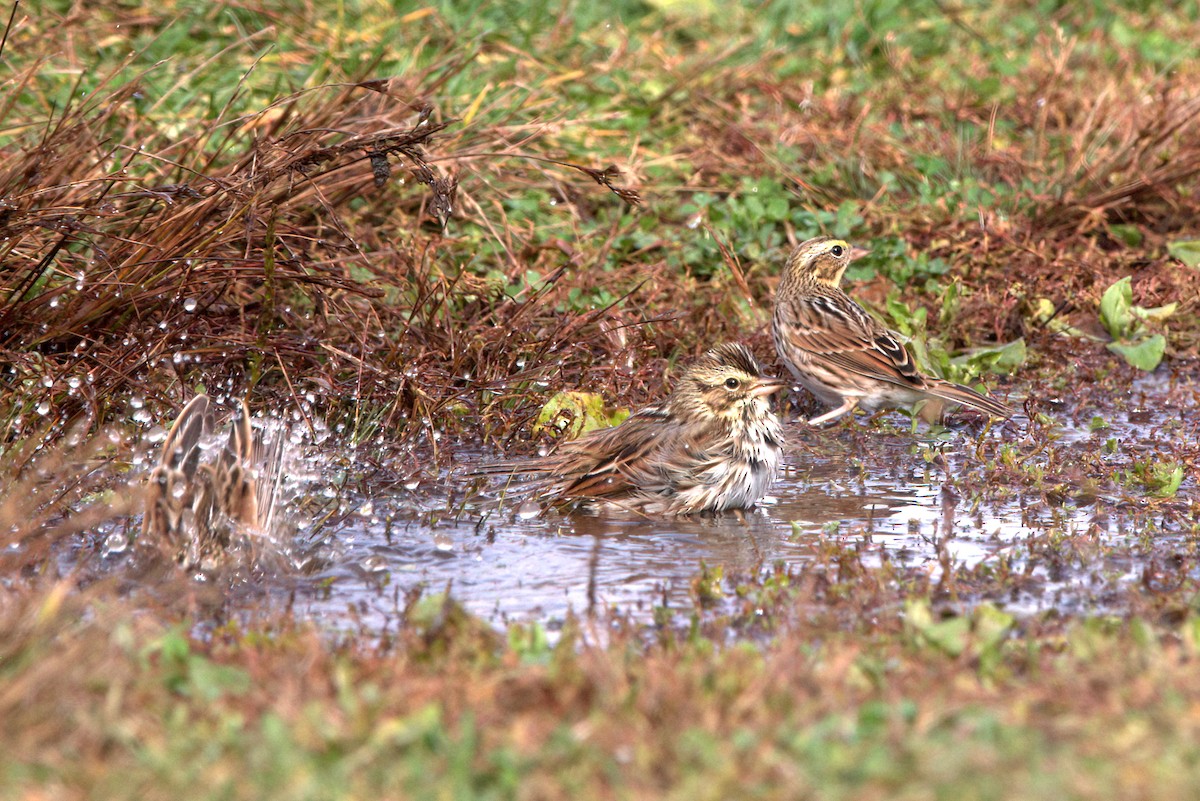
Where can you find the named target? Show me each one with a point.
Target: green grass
(903, 708)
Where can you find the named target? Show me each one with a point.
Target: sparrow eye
(836, 250)
(732, 383)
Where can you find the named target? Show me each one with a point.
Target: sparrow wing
(606, 464)
(171, 487)
(836, 330)
(618, 461)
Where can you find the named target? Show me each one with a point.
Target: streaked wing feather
(606, 464)
(615, 461)
(957, 393)
(838, 331)
(170, 489)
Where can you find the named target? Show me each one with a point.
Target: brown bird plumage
(841, 353)
(195, 506)
(714, 444)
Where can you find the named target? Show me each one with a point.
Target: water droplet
(116, 542)
(528, 510)
(189, 305)
(374, 564)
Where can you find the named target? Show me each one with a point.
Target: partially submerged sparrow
(713, 445)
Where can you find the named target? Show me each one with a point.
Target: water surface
(884, 491)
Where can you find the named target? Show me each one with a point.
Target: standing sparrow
(842, 354)
(195, 505)
(713, 445)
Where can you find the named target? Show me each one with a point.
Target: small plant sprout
(1127, 325)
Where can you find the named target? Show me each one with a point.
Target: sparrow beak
(857, 253)
(768, 386)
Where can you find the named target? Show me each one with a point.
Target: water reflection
(506, 566)
(887, 493)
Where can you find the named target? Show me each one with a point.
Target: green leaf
(949, 636)
(577, 413)
(685, 9)
(1043, 312)
(1187, 251)
(1168, 477)
(1156, 314)
(950, 304)
(1115, 308)
(1131, 235)
(991, 625)
(1000, 359)
(907, 321)
(1146, 354)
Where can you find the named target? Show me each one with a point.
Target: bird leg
(847, 406)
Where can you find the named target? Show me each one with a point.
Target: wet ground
(1038, 497)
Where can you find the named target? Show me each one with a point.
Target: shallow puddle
(887, 492)
(928, 502)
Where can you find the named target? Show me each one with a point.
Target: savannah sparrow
(713, 445)
(195, 506)
(842, 354)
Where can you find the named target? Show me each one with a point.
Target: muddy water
(889, 493)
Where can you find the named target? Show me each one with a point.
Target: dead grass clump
(220, 253)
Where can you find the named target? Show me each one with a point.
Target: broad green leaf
(1000, 359)
(991, 625)
(950, 304)
(1187, 251)
(1043, 309)
(1131, 235)
(1043, 312)
(577, 413)
(907, 321)
(1170, 477)
(1146, 354)
(1156, 314)
(949, 636)
(1115, 306)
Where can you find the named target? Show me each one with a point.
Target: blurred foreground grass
(122, 705)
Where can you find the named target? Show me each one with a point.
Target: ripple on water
(508, 562)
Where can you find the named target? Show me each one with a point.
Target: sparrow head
(722, 383)
(820, 260)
